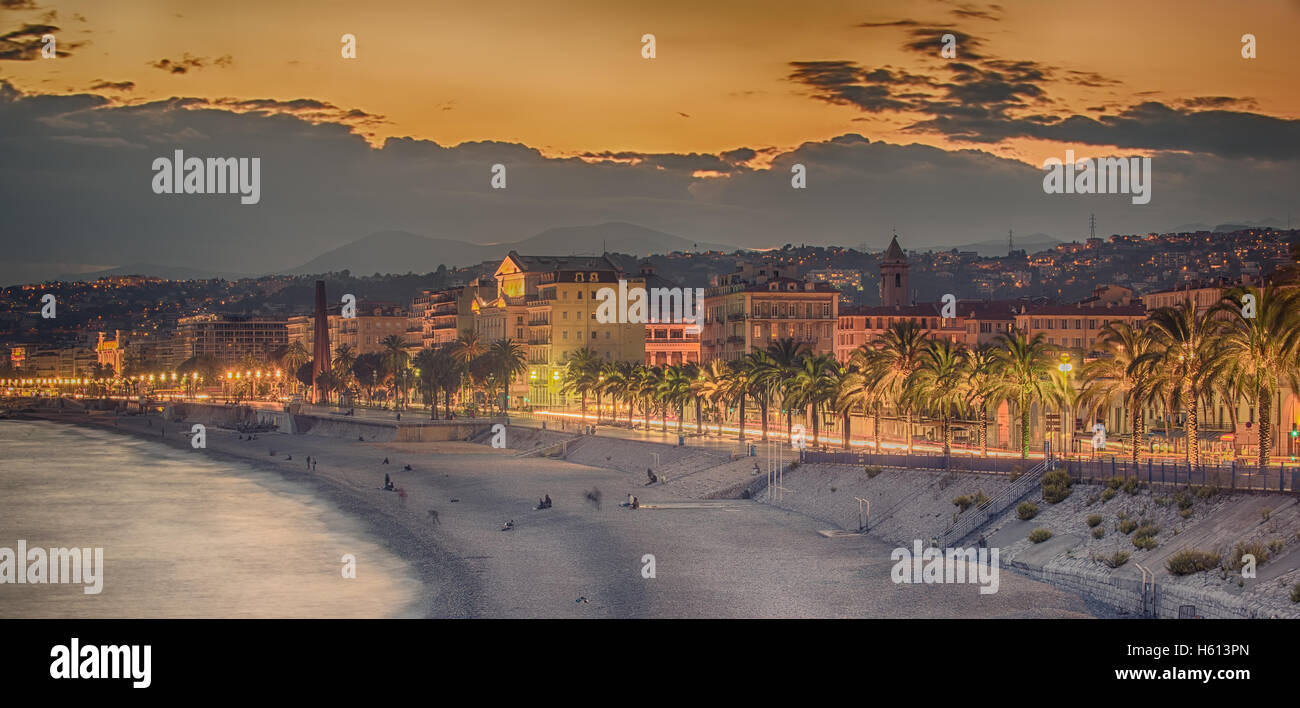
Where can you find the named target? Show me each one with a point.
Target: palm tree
(758, 376)
(581, 375)
(642, 389)
(617, 383)
(979, 386)
(427, 381)
(396, 357)
(712, 387)
(1187, 343)
(892, 356)
(1124, 372)
(843, 398)
(812, 386)
(743, 383)
(652, 390)
(467, 348)
(447, 376)
(675, 390)
(1063, 390)
(295, 356)
(1232, 387)
(1024, 364)
(937, 382)
(863, 390)
(786, 358)
(1265, 348)
(508, 362)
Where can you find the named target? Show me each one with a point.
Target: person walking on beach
(313, 464)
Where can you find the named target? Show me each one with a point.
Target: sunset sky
(735, 86)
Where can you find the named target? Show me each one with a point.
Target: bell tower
(893, 276)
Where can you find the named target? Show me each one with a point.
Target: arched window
(594, 277)
(577, 278)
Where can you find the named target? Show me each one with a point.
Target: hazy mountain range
(404, 252)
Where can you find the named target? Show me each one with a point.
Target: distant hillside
(156, 271)
(404, 252)
(998, 247)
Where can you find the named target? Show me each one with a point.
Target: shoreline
(431, 564)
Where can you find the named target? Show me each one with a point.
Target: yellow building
(549, 303)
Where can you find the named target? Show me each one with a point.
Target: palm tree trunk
(984, 430)
(1136, 420)
(875, 426)
(909, 430)
(1193, 432)
(762, 414)
(1264, 404)
(1024, 430)
(816, 442)
(699, 424)
(846, 428)
(741, 424)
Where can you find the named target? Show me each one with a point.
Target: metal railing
(1001, 501)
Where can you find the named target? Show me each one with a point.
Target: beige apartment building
(741, 316)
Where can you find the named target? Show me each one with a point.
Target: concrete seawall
(333, 426)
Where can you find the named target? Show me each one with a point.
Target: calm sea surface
(183, 536)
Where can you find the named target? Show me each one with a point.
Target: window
(594, 277)
(564, 334)
(606, 334)
(593, 334)
(565, 315)
(577, 278)
(1078, 324)
(898, 280)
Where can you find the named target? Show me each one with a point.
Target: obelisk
(320, 361)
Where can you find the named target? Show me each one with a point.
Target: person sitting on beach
(636, 503)
(548, 501)
(509, 525)
(541, 504)
(407, 468)
(388, 483)
(651, 475)
(385, 460)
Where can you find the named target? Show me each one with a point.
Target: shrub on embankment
(1191, 560)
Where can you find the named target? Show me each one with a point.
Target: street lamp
(1065, 367)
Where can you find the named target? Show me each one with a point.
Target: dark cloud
(983, 99)
(894, 23)
(929, 40)
(323, 185)
(102, 85)
(187, 63)
(25, 43)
